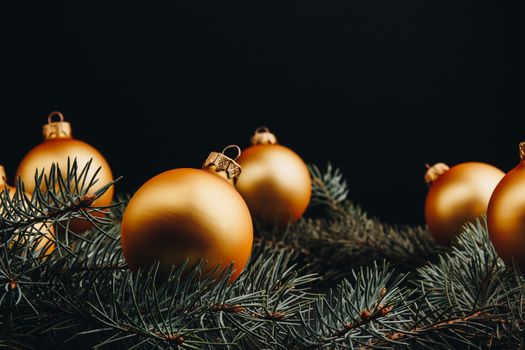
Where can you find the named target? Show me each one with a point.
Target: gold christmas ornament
(193, 214)
(39, 236)
(506, 214)
(58, 146)
(275, 183)
(457, 195)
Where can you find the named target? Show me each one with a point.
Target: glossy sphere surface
(275, 183)
(506, 217)
(458, 196)
(187, 214)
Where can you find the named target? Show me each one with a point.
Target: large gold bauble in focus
(506, 215)
(458, 196)
(58, 145)
(39, 236)
(275, 182)
(193, 214)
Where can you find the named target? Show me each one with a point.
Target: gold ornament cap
(56, 130)
(3, 177)
(435, 171)
(223, 165)
(522, 150)
(263, 136)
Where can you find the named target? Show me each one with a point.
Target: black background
(376, 87)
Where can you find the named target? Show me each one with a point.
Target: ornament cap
(263, 136)
(3, 177)
(522, 150)
(223, 165)
(435, 171)
(58, 129)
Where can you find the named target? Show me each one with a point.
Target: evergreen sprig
(336, 282)
(329, 188)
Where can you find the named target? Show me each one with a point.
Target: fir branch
(329, 188)
(57, 198)
(484, 309)
(26, 227)
(332, 246)
(466, 298)
(188, 310)
(355, 312)
(117, 211)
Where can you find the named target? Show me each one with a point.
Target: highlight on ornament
(457, 195)
(60, 147)
(190, 215)
(276, 183)
(506, 215)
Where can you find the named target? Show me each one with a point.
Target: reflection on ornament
(59, 146)
(506, 215)
(457, 195)
(193, 214)
(276, 183)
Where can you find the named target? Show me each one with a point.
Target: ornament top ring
(522, 150)
(263, 136)
(59, 129)
(434, 172)
(52, 114)
(223, 165)
(237, 148)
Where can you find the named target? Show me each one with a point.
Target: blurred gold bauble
(458, 195)
(275, 182)
(193, 214)
(39, 235)
(506, 214)
(58, 146)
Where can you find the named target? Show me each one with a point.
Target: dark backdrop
(377, 87)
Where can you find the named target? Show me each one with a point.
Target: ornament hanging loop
(56, 129)
(435, 171)
(237, 148)
(262, 129)
(55, 113)
(522, 150)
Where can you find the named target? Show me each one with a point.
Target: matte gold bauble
(39, 236)
(506, 215)
(58, 146)
(193, 214)
(275, 182)
(458, 195)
